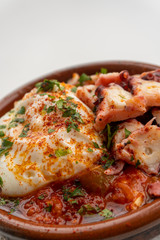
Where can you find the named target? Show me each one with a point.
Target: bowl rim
(122, 226)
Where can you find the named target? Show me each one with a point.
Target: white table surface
(37, 37)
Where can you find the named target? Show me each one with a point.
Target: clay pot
(138, 221)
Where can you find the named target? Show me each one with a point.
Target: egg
(52, 138)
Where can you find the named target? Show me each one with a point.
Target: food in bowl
(82, 151)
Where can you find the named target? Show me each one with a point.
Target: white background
(39, 36)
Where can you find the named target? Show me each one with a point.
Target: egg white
(31, 162)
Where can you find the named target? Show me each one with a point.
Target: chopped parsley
(127, 133)
(137, 163)
(1, 134)
(104, 70)
(111, 131)
(95, 145)
(3, 201)
(13, 203)
(69, 98)
(83, 78)
(71, 124)
(6, 153)
(5, 146)
(51, 155)
(2, 126)
(22, 110)
(86, 208)
(12, 210)
(49, 85)
(132, 158)
(74, 89)
(122, 96)
(18, 120)
(15, 121)
(69, 110)
(12, 125)
(49, 208)
(50, 109)
(106, 162)
(24, 131)
(128, 142)
(16, 202)
(90, 150)
(68, 194)
(106, 213)
(62, 152)
(1, 181)
(41, 197)
(50, 96)
(51, 130)
(60, 104)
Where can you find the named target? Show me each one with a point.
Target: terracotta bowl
(147, 218)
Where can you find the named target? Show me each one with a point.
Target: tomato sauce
(70, 202)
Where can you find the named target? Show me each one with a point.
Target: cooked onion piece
(95, 180)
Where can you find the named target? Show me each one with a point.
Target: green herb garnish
(69, 194)
(83, 78)
(50, 109)
(137, 163)
(49, 208)
(3, 201)
(12, 125)
(111, 131)
(24, 131)
(132, 158)
(1, 134)
(62, 152)
(127, 133)
(74, 89)
(18, 120)
(90, 150)
(106, 213)
(128, 142)
(106, 162)
(5, 146)
(6, 153)
(95, 144)
(51, 130)
(104, 70)
(22, 110)
(48, 85)
(1, 181)
(12, 210)
(41, 197)
(86, 208)
(2, 126)
(71, 124)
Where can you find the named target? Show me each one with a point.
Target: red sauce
(56, 203)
